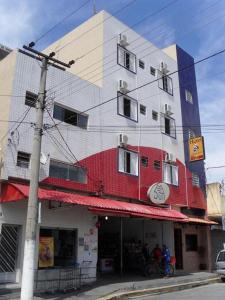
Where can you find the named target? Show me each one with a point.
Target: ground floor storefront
(79, 236)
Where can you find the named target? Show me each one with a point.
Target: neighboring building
(216, 212)
(125, 146)
(4, 51)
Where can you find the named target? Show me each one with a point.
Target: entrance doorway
(121, 242)
(8, 252)
(178, 248)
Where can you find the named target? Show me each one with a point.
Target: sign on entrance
(158, 193)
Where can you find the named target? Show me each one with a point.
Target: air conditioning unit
(123, 40)
(169, 157)
(163, 67)
(168, 109)
(123, 86)
(123, 139)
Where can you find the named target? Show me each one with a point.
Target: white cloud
(15, 22)
(212, 92)
(212, 112)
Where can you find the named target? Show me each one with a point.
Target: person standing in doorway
(166, 260)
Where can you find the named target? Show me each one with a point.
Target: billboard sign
(196, 149)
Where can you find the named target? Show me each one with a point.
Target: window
(154, 115)
(221, 256)
(23, 160)
(152, 71)
(188, 96)
(64, 251)
(165, 83)
(30, 99)
(195, 180)
(168, 125)
(128, 162)
(170, 174)
(144, 161)
(191, 242)
(157, 165)
(67, 171)
(141, 64)
(69, 116)
(126, 59)
(142, 109)
(127, 107)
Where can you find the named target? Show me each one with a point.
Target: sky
(197, 26)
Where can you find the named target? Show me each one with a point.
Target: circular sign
(158, 193)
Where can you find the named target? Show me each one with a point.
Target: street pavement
(210, 292)
(113, 285)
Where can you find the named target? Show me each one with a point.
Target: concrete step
(160, 290)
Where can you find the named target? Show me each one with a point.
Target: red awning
(15, 192)
(201, 221)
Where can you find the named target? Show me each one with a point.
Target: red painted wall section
(103, 176)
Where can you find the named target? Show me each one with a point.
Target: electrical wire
(153, 81)
(23, 116)
(60, 22)
(100, 73)
(132, 26)
(132, 49)
(69, 149)
(60, 147)
(98, 24)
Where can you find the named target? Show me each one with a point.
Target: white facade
(104, 122)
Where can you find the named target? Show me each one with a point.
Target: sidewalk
(115, 287)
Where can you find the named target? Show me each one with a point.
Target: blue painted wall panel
(190, 112)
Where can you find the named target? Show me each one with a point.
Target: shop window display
(57, 248)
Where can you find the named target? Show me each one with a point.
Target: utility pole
(30, 247)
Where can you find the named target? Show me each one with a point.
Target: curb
(160, 290)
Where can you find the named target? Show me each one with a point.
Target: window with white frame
(128, 161)
(67, 171)
(188, 96)
(170, 174)
(70, 116)
(195, 179)
(168, 125)
(127, 107)
(126, 59)
(165, 83)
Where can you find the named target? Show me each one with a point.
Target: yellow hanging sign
(196, 149)
(46, 252)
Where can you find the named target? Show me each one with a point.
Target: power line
(60, 22)
(59, 146)
(95, 26)
(68, 147)
(62, 137)
(104, 76)
(151, 82)
(73, 81)
(23, 116)
(132, 26)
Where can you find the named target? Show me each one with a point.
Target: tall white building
(126, 122)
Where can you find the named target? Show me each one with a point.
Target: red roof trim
(15, 192)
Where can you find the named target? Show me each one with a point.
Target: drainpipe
(121, 246)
